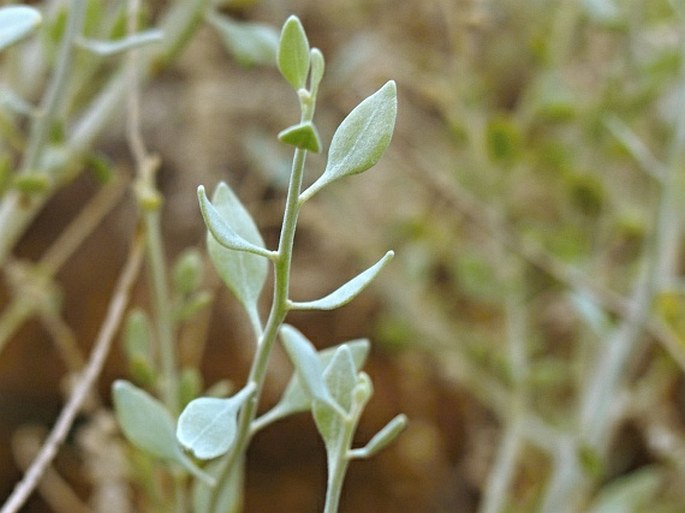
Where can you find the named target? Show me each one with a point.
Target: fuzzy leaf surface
(361, 139)
(348, 291)
(307, 364)
(231, 226)
(208, 425)
(17, 22)
(293, 53)
(295, 398)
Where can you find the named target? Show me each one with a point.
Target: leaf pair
(148, 425)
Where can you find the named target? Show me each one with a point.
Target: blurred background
(531, 324)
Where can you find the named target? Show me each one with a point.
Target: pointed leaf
(293, 53)
(340, 377)
(17, 22)
(303, 135)
(348, 291)
(361, 139)
(250, 43)
(382, 439)
(307, 364)
(229, 209)
(244, 273)
(295, 399)
(208, 425)
(112, 47)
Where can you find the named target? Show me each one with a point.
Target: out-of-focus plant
(542, 251)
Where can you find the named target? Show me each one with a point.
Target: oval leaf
(293, 53)
(250, 43)
(17, 22)
(146, 423)
(361, 139)
(244, 273)
(348, 291)
(208, 425)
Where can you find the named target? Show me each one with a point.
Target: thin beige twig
(103, 342)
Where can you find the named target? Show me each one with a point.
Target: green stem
(277, 314)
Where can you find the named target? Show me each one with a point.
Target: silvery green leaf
(17, 22)
(340, 377)
(229, 211)
(318, 65)
(628, 494)
(112, 47)
(307, 364)
(330, 426)
(303, 135)
(295, 399)
(348, 291)
(144, 420)
(381, 439)
(250, 43)
(148, 425)
(231, 226)
(208, 425)
(361, 139)
(293, 53)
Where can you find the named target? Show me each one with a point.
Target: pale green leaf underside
(208, 425)
(361, 139)
(243, 272)
(307, 364)
(348, 291)
(144, 420)
(228, 212)
(340, 377)
(17, 22)
(293, 53)
(113, 47)
(295, 399)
